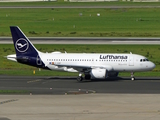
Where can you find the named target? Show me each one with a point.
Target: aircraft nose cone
(153, 65)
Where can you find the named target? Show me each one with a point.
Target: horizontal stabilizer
(12, 57)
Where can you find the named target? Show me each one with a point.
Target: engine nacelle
(98, 73)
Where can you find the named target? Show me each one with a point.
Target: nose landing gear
(132, 76)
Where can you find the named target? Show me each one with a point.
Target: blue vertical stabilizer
(21, 43)
(26, 53)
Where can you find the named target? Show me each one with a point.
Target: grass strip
(131, 22)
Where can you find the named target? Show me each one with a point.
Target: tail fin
(26, 53)
(22, 44)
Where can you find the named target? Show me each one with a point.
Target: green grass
(62, 3)
(68, 22)
(14, 92)
(12, 68)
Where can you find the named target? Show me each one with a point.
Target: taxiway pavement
(86, 40)
(76, 7)
(69, 85)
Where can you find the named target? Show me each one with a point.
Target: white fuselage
(111, 62)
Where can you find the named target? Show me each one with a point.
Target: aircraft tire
(79, 78)
(133, 78)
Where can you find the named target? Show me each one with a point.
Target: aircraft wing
(86, 68)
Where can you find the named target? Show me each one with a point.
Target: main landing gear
(132, 76)
(79, 78)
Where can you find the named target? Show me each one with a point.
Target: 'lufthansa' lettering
(113, 57)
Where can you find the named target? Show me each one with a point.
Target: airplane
(91, 66)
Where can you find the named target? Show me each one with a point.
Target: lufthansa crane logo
(22, 45)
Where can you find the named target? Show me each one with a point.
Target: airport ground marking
(33, 81)
(8, 101)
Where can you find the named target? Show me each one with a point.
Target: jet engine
(98, 73)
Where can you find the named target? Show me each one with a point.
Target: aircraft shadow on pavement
(61, 78)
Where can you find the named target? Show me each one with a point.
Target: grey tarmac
(86, 40)
(75, 7)
(49, 85)
(80, 107)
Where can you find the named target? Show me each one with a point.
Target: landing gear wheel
(79, 78)
(133, 78)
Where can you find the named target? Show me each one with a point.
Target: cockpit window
(143, 60)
